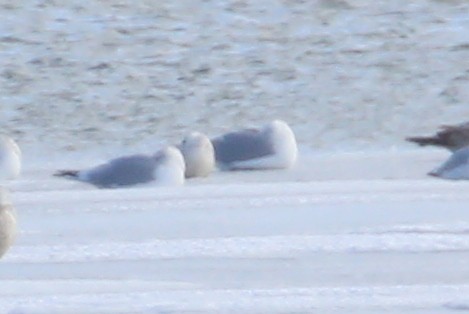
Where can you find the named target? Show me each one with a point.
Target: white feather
(280, 135)
(199, 155)
(171, 169)
(7, 222)
(10, 159)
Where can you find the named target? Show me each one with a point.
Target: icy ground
(340, 233)
(356, 227)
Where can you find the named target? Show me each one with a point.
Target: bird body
(7, 222)
(165, 167)
(452, 137)
(10, 158)
(270, 147)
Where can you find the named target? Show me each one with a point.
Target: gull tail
(424, 141)
(433, 174)
(73, 174)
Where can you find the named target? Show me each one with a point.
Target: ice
(278, 241)
(356, 226)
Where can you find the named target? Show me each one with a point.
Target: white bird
(166, 167)
(10, 158)
(199, 155)
(7, 222)
(271, 147)
(456, 167)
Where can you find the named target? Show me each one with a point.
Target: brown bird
(452, 137)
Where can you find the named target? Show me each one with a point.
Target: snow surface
(305, 240)
(355, 227)
(343, 73)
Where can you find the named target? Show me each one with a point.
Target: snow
(344, 74)
(355, 227)
(272, 241)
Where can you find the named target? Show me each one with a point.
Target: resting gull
(456, 167)
(7, 222)
(452, 137)
(166, 167)
(270, 147)
(10, 158)
(199, 155)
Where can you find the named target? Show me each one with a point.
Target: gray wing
(123, 171)
(463, 125)
(241, 145)
(457, 159)
(453, 137)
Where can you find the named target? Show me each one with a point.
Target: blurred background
(345, 74)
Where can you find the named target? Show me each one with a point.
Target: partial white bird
(166, 167)
(271, 147)
(199, 155)
(7, 222)
(10, 158)
(456, 167)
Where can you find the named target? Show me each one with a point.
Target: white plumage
(7, 222)
(10, 158)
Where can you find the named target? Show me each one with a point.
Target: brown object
(452, 137)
